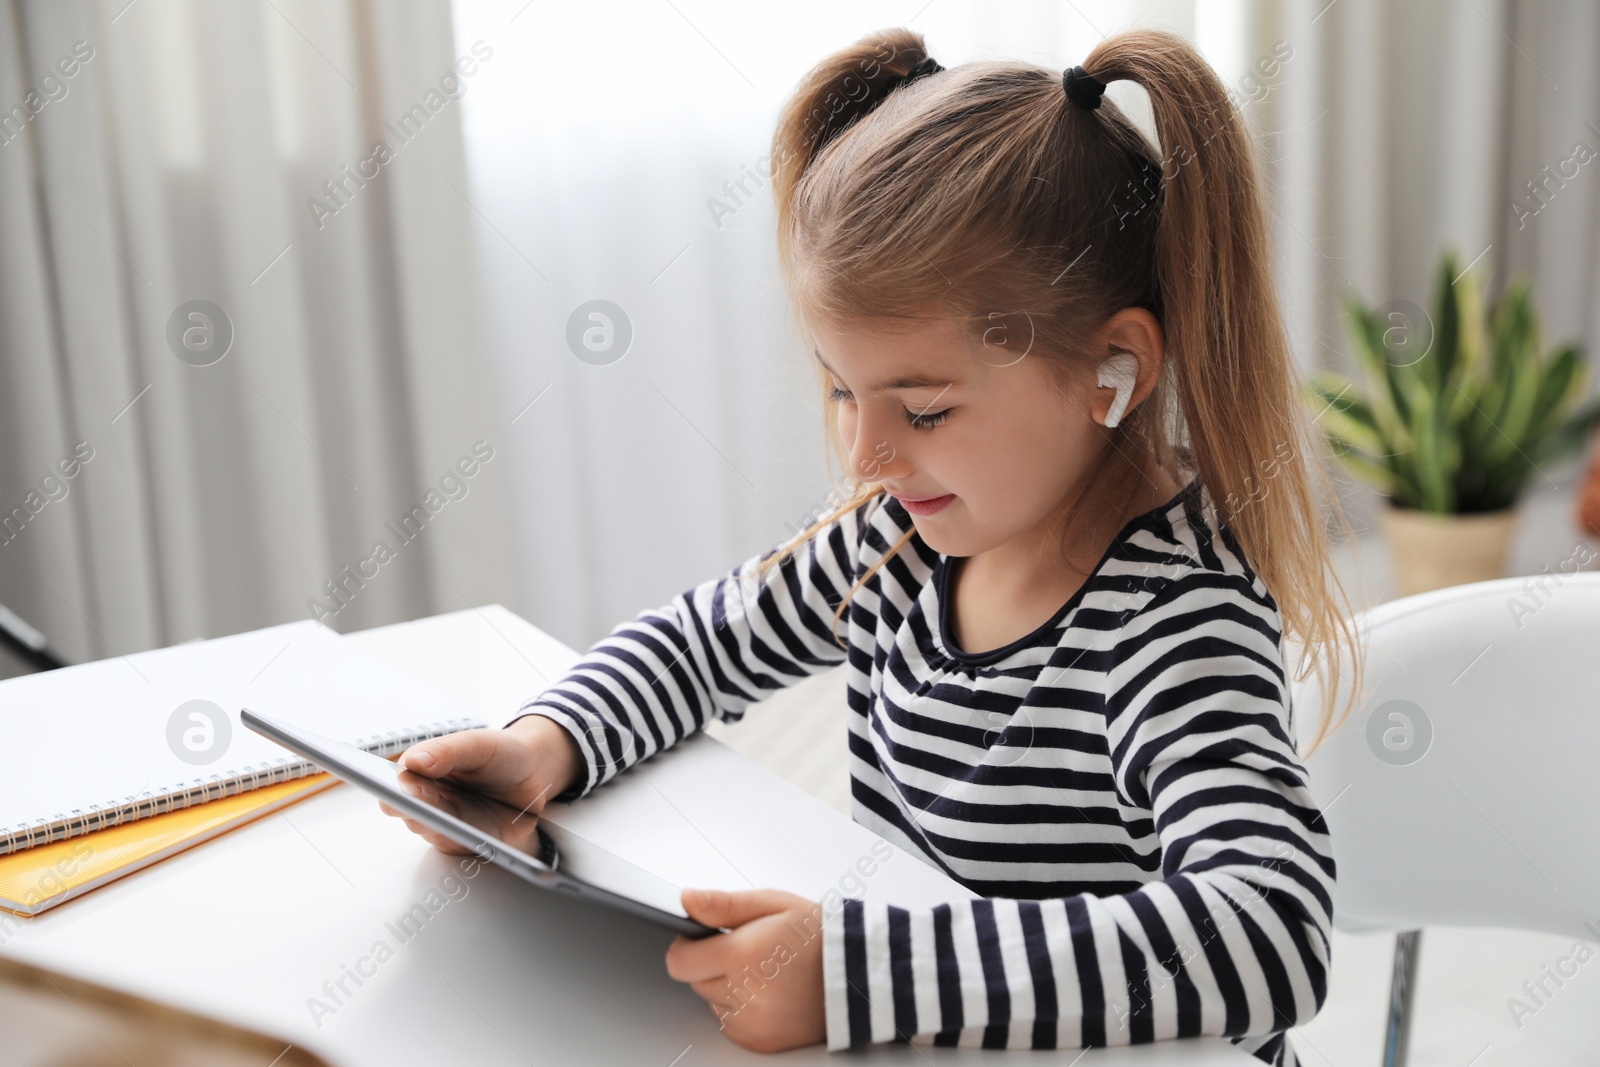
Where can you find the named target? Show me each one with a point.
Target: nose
(875, 450)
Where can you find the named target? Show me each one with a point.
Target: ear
(1130, 332)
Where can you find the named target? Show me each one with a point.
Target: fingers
(459, 753)
(698, 960)
(701, 959)
(719, 907)
(438, 841)
(418, 786)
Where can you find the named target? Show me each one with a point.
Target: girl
(1085, 519)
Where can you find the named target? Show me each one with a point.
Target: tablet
(532, 849)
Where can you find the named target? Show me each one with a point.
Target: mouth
(927, 505)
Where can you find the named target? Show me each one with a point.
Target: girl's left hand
(763, 978)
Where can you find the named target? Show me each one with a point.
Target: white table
(249, 927)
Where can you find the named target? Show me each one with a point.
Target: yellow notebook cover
(46, 875)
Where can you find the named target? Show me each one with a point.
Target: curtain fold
(214, 152)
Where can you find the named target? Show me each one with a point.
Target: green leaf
(1447, 324)
(1563, 383)
(1367, 337)
(1469, 350)
(1514, 333)
(1486, 436)
(1517, 412)
(1340, 411)
(1367, 468)
(1437, 451)
(1465, 381)
(1480, 430)
(1570, 436)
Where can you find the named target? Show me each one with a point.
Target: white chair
(1464, 788)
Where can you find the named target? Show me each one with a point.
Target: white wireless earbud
(1119, 372)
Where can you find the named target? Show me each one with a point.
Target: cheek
(975, 459)
(1022, 461)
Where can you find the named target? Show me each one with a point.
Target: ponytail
(1235, 374)
(834, 95)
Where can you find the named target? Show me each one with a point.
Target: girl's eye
(919, 421)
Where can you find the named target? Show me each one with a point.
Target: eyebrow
(905, 381)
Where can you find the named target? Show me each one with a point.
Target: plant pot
(1432, 551)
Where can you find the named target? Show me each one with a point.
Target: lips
(927, 505)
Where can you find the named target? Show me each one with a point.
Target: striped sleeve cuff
(844, 976)
(869, 994)
(584, 726)
(976, 974)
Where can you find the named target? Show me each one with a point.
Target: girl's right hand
(522, 766)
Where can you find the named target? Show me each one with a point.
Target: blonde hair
(983, 191)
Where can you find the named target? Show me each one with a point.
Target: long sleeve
(712, 651)
(1234, 939)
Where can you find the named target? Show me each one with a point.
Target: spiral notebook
(39, 878)
(106, 743)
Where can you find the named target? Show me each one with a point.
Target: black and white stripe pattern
(1119, 786)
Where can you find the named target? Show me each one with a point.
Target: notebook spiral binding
(214, 787)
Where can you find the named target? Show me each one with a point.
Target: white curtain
(162, 152)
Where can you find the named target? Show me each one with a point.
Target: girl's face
(987, 438)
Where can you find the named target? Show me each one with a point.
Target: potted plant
(1462, 408)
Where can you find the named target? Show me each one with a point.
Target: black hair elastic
(1083, 88)
(929, 65)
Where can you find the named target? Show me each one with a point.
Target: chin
(945, 541)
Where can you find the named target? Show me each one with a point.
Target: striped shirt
(1119, 786)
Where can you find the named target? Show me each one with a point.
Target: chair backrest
(1464, 788)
